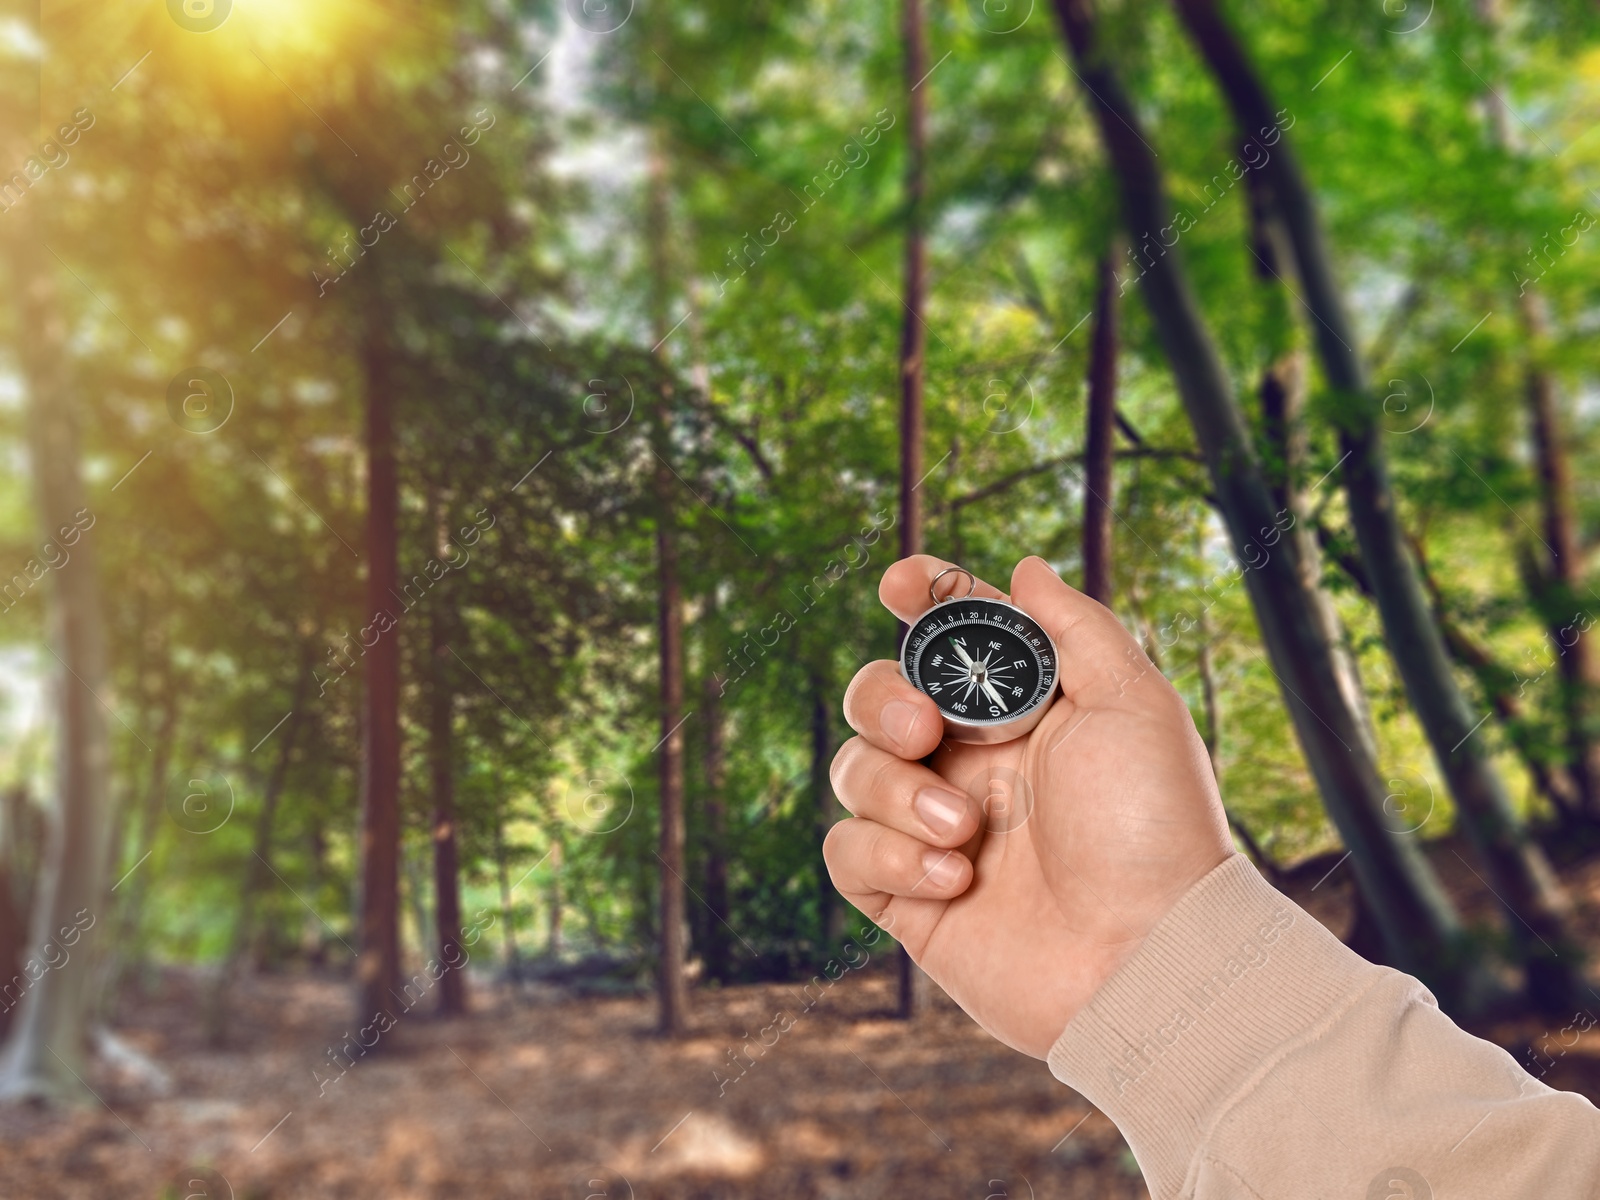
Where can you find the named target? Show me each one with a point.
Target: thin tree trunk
(1558, 585)
(507, 923)
(13, 908)
(446, 869)
(555, 942)
(314, 936)
(1102, 422)
(1211, 704)
(47, 1047)
(129, 947)
(1422, 932)
(1552, 780)
(716, 951)
(672, 1018)
(1536, 906)
(216, 1007)
(672, 994)
(414, 872)
(378, 968)
(913, 349)
(830, 911)
(1561, 594)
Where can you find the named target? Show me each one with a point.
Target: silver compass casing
(991, 730)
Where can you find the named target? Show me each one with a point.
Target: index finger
(904, 590)
(1096, 652)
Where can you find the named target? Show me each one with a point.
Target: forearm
(1245, 1052)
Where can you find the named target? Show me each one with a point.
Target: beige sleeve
(1245, 1052)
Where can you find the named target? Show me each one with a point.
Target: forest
(452, 451)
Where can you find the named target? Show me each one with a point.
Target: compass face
(985, 663)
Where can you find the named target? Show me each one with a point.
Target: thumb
(1094, 649)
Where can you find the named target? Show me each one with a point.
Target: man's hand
(1020, 876)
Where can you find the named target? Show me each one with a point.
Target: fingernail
(942, 868)
(897, 721)
(941, 810)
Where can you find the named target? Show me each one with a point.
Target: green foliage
(220, 220)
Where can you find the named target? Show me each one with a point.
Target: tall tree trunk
(441, 766)
(1536, 906)
(913, 349)
(1102, 421)
(716, 763)
(378, 968)
(672, 1017)
(47, 1046)
(1422, 932)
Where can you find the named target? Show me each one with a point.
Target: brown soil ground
(552, 1096)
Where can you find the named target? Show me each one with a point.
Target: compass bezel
(986, 729)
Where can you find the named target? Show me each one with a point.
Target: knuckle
(880, 783)
(841, 770)
(833, 845)
(886, 860)
(863, 695)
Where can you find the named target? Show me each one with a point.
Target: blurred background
(451, 453)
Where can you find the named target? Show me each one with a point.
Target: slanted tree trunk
(1098, 478)
(46, 1050)
(1536, 906)
(913, 349)
(1551, 780)
(1286, 443)
(1422, 932)
(672, 995)
(378, 967)
(441, 769)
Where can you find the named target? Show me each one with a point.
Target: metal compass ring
(933, 586)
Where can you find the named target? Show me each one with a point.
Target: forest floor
(555, 1096)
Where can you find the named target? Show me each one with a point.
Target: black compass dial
(983, 662)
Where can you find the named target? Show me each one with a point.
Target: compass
(989, 666)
